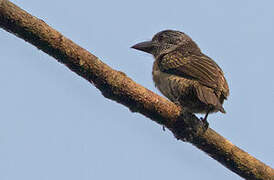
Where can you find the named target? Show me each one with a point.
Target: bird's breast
(171, 86)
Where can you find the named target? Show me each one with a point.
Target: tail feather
(207, 96)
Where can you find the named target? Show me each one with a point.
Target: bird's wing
(197, 67)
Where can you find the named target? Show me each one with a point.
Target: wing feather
(198, 67)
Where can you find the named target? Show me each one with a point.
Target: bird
(184, 74)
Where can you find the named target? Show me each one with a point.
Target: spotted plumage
(184, 74)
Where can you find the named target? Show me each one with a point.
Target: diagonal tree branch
(117, 86)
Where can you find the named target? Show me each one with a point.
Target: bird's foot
(205, 123)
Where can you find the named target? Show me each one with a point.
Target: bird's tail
(207, 96)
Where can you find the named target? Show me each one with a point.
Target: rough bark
(117, 86)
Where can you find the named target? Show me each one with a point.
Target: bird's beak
(146, 46)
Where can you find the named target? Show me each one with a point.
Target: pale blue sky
(55, 125)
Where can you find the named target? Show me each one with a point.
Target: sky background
(55, 125)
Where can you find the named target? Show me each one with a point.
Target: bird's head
(164, 42)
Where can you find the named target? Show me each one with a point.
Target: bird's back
(181, 75)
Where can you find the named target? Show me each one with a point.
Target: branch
(117, 86)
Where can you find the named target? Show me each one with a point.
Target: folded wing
(201, 68)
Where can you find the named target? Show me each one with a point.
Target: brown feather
(201, 68)
(198, 67)
(184, 74)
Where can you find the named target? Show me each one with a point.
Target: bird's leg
(206, 124)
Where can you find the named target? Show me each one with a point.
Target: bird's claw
(205, 123)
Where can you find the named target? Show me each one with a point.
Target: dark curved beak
(146, 46)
